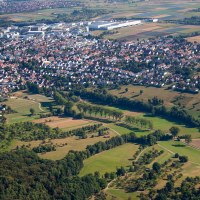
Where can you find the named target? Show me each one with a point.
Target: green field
(119, 194)
(189, 101)
(158, 123)
(22, 107)
(182, 149)
(165, 125)
(122, 130)
(108, 161)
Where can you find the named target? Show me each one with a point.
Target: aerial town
(99, 100)
(70, 51)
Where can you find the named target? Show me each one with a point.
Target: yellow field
(190, 101)
(73, 143)
(194, 39)
(63, 123)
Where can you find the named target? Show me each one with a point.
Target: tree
(121, 171)
(174, 131)
(156, 167)
(169, 186)
(188, 139)
(126, 90)
(32, 111)
(183, 159)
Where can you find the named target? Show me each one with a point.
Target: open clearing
(165, 125)
(119, 194)
(63, 123)
(190, 101)
(182, 149)
(22, 108)
(108, 161)
(194, 39)
(73, 143)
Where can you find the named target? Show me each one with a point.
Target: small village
(27, 6)
(42, 53)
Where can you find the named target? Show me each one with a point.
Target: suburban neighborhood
(70, 51)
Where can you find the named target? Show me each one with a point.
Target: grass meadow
(109, 160)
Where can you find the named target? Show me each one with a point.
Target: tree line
(28, 131)
(103, 98)
(142, 123)
(94, 110)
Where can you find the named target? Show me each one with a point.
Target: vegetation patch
(109, 160)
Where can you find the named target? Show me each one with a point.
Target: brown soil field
(65, 123)
(195, 143)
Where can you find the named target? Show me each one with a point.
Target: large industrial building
(105, 25)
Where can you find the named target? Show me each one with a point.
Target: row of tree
(103, 98)
(86, 108)
(139, 122)
(28, 131)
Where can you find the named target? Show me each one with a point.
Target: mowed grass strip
(108, 161)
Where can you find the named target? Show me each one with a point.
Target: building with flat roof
(104, 25)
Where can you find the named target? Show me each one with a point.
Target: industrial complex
(105, 25)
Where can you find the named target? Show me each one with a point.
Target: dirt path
(135, 160)
(40, 107)
(174, 153)
(140, 154)
(112, 130)
(39, 104)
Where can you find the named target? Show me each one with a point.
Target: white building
(112, 25)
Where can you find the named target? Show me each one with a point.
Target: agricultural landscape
(99, 114)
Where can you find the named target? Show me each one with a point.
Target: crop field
(63, 123)
(37, 15)
(150, 30)
(109, 160)
(151, 9)
(63, 146)
(195, 143)
(190, 101)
